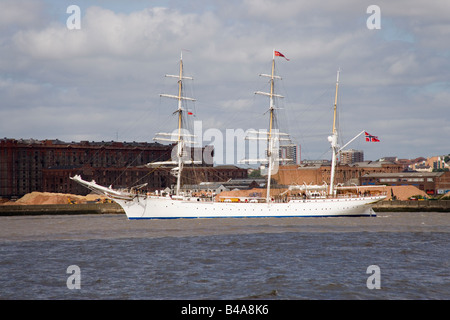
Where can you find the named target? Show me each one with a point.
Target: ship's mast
(271, 136)
(180, 115)
(180, 88)
(270, 139)
(181, 136)
(333, 140)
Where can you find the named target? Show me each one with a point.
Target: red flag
(190, 113)
(371, 138)
(279, 54)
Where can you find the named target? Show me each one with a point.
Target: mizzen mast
(333, 140)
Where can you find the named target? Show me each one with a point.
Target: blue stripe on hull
(241, 217)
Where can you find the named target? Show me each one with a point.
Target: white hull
(166, 208)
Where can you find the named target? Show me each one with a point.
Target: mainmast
(180, 140)
(271, 138)
(333, 140)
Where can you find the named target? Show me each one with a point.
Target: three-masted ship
(179, 205)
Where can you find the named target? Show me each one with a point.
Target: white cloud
(403, 64)
(106, 77)
(20, 14)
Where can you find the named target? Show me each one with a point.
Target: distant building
(351, 156)
(315, 162)
(433, 183)
(56, 180)
(22, 162)
(410, 164)
(436, 163)
(46, 165)
(292, 152)
(425, 164)
(318, 173)
(390, 159)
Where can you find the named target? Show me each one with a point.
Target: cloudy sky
(102, 82)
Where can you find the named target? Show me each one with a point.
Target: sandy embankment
(36, 198)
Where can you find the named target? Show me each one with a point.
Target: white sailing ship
(331, 202)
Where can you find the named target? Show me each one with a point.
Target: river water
(225, 259)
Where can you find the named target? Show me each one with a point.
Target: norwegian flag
(371, 138)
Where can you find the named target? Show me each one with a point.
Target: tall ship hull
(161, 208)
(138, 206)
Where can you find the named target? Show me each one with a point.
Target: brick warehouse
(45, 165)
(318, 174)
(56, 180)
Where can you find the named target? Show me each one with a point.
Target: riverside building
(28, 165)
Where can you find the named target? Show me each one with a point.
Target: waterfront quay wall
(413, 205)
(113, 208)
(60, 209)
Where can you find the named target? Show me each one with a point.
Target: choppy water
(271, 258)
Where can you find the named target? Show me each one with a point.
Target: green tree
(255, 174)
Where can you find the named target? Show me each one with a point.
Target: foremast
(182, 136)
